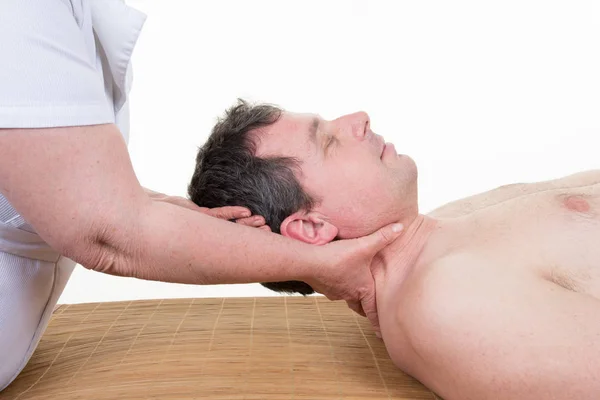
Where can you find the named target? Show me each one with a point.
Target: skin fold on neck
(400, 256)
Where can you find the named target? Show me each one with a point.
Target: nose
(356, 124)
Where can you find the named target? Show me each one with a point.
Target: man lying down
(496, 296)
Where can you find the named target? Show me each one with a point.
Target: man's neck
(402, 254)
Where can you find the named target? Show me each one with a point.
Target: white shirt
(62, 63)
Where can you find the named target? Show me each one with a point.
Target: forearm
(168, 243)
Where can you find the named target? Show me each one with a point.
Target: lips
(382, 145)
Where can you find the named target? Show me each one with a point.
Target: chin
(407, 172)
(411, 172)
(410, 165)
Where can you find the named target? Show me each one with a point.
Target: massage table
(271, 348)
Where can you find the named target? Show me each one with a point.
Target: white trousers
(32, 278)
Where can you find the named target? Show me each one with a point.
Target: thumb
(369, 305)
(356, 307)
(376, 241)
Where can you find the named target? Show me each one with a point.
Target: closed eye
(329, 143)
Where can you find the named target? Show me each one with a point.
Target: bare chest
(554, 234)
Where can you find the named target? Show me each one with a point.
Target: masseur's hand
(241, 215)
(346, 273)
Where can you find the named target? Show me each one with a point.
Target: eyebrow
(314, 127)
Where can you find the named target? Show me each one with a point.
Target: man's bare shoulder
(434, 294)
(440, 281)
(475, 318)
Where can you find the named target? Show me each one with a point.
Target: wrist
(312, 262)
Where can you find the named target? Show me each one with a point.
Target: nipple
(576, 203)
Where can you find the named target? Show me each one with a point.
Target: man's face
(359, 181)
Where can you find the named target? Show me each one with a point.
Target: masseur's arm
(77, 187)
(507, 192)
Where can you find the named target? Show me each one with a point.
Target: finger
(255, 221)
(265, 228)
(356, 307)
(369, 305)
(383, 237)
(229, 212)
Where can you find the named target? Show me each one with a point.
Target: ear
(309, 227)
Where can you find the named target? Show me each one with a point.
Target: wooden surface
(236, 348)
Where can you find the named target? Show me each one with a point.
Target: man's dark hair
(228, 173)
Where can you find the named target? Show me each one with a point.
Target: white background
(479, 93)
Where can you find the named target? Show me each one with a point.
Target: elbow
(99, 248)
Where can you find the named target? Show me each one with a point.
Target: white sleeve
(49, 73)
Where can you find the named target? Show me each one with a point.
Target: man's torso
(474, 310)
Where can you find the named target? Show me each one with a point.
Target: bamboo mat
(235, 348)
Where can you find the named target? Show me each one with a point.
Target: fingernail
(397, 227)
(246, 214)
(378, 334)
